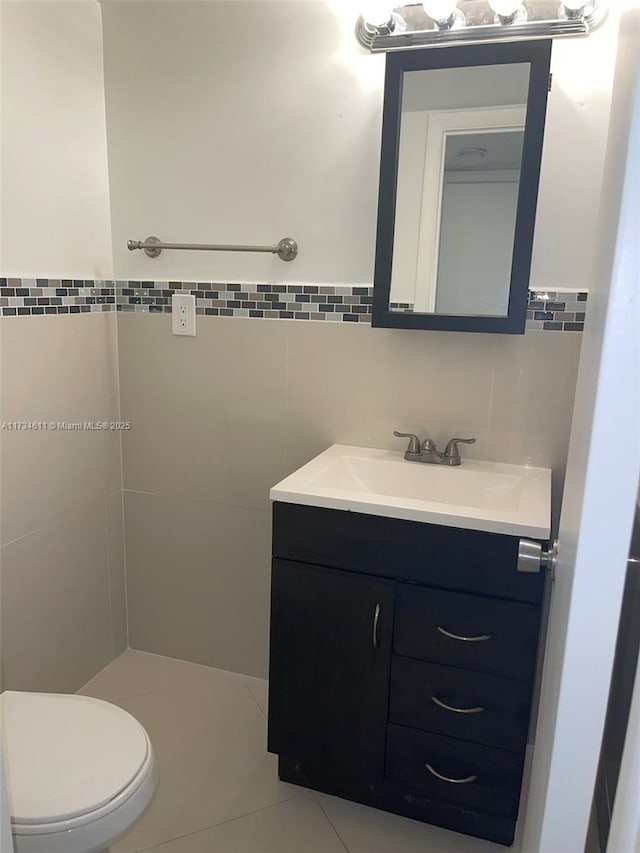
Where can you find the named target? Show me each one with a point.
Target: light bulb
(508, 11)
(444, 13)
(506, 8)
(378, 13)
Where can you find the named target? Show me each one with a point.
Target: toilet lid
(67, 755)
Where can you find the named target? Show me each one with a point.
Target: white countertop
(494, 497)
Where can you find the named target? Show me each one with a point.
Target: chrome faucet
(429, 453)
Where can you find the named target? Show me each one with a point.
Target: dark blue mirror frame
(538, 55)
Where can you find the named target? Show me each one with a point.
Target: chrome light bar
(410, 27)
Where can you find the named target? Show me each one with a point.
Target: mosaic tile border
(552, 311)
(271, 301)
(32, 296)
(555, 311)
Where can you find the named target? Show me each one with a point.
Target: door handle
(480, 638)
(477, 710)
(376, 626)
(452, 780)
(532, 557)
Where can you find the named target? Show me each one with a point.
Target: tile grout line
(319, 804)
(109, 586)
(24, 536)
(251, 693)
(221, 823)
(494, 361)
(122, 490)
(287, 382)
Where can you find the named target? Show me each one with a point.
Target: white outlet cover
(183, 314)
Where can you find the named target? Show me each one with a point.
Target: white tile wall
(218, 419)
(63, 589)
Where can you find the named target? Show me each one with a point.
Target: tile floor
(219, 790)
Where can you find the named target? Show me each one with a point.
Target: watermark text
(64, 426)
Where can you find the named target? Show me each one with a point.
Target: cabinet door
(329, 669)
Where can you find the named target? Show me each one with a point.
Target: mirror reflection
(458, 180)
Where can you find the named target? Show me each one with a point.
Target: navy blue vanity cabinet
(401, 665)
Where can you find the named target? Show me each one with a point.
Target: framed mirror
(462, 136)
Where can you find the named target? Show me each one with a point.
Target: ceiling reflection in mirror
(459, 164)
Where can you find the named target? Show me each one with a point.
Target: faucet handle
(451, 450)
(413, 450)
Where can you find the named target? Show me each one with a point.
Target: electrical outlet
(183, 314)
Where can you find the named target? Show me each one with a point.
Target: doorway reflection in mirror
(460, 156)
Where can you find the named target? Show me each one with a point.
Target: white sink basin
(477, 495)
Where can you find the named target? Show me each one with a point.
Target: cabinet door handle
(477, 710)
(479, 639)
(465, 781)
(376, 625)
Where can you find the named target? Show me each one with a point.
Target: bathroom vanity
(403, 637)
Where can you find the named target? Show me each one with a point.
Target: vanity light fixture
(383, 27)
(444, 13)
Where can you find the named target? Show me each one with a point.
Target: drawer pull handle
(477, 710)
(466, 781)
(376, 625)
(479, 639)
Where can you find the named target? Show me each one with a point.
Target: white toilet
(80, 771)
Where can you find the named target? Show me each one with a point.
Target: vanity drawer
(446, 557)
(468, 631)
(461, 704)
(455, 772)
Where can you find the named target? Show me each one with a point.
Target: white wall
(242, 122)
(571, 181)
(249, 121)
(55, 194)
